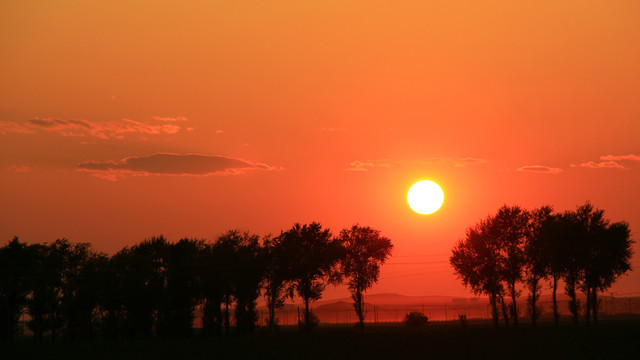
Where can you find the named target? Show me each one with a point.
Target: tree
(613, 259)
(143, 276)
(82, 271)
(182, 288)
(46, 283)
(536, 255)
(475, 261)
(244, 264)
(606, 256)
(112, 295)
(509, 231)
(364, 251)
(213, 278)
(554, 235)
(279, 257)
(317, 255)
(573, 254)
(15, 260)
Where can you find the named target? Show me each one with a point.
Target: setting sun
(425, 197)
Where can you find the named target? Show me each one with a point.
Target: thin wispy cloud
(11, 127)
(600, 165)
(366, 165)
(630, 157)
(20, 169)
(103, 130)
(611, 162)
(541, 169)
(169, 118)
(79, 127)
(171, 164)
(454, 161)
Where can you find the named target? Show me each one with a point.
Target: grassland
(609, 340)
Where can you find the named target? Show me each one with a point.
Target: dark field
(610, 340)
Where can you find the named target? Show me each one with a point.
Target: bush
(463, 320)
(415, 319)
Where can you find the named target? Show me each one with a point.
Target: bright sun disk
(425, 197)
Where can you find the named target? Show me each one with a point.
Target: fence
(381, 313)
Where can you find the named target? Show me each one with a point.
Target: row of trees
(156, 286)
(517, 248)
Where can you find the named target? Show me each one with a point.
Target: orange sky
(314, 111)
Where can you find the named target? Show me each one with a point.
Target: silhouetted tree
(223, 257)
(536, 256)
(553, 235)
(476, 262)
(314, 266)
(244, 264)
(364, 251)
(46, 284)
(279, 256)
(113, 296)
(613, 259)
(213, 277)
(15, 260)
(81, 274)
(573, 256)
(182, 288)
(607, 252)
(509, 230)
(143, 278)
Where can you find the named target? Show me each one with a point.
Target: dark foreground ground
(608, 340)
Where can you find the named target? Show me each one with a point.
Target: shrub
(463, 320)
(415, 319)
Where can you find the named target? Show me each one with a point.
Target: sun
(425, 197)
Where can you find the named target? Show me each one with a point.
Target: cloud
(169, 118)
(456, 161)
(20, 169)
(78, 127)
(610, 162)
(630, 157)
(170, 164)
(540, 169)
(7, 127)
(600, 165)
(366, 165)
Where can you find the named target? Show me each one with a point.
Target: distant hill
(397, 299)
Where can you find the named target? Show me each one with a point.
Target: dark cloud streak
(171, 164)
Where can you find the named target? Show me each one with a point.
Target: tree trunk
(505, 312)
(272, 315)
(556, 316)
(573, 303)
(359, 305)
(307, 314)
(594, 293)
(494, 310)
(534, 298)
(514, 309)
(587, 314)
(227, 325)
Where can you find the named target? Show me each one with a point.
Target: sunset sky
(121, 120)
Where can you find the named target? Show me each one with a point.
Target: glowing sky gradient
(120, 120)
